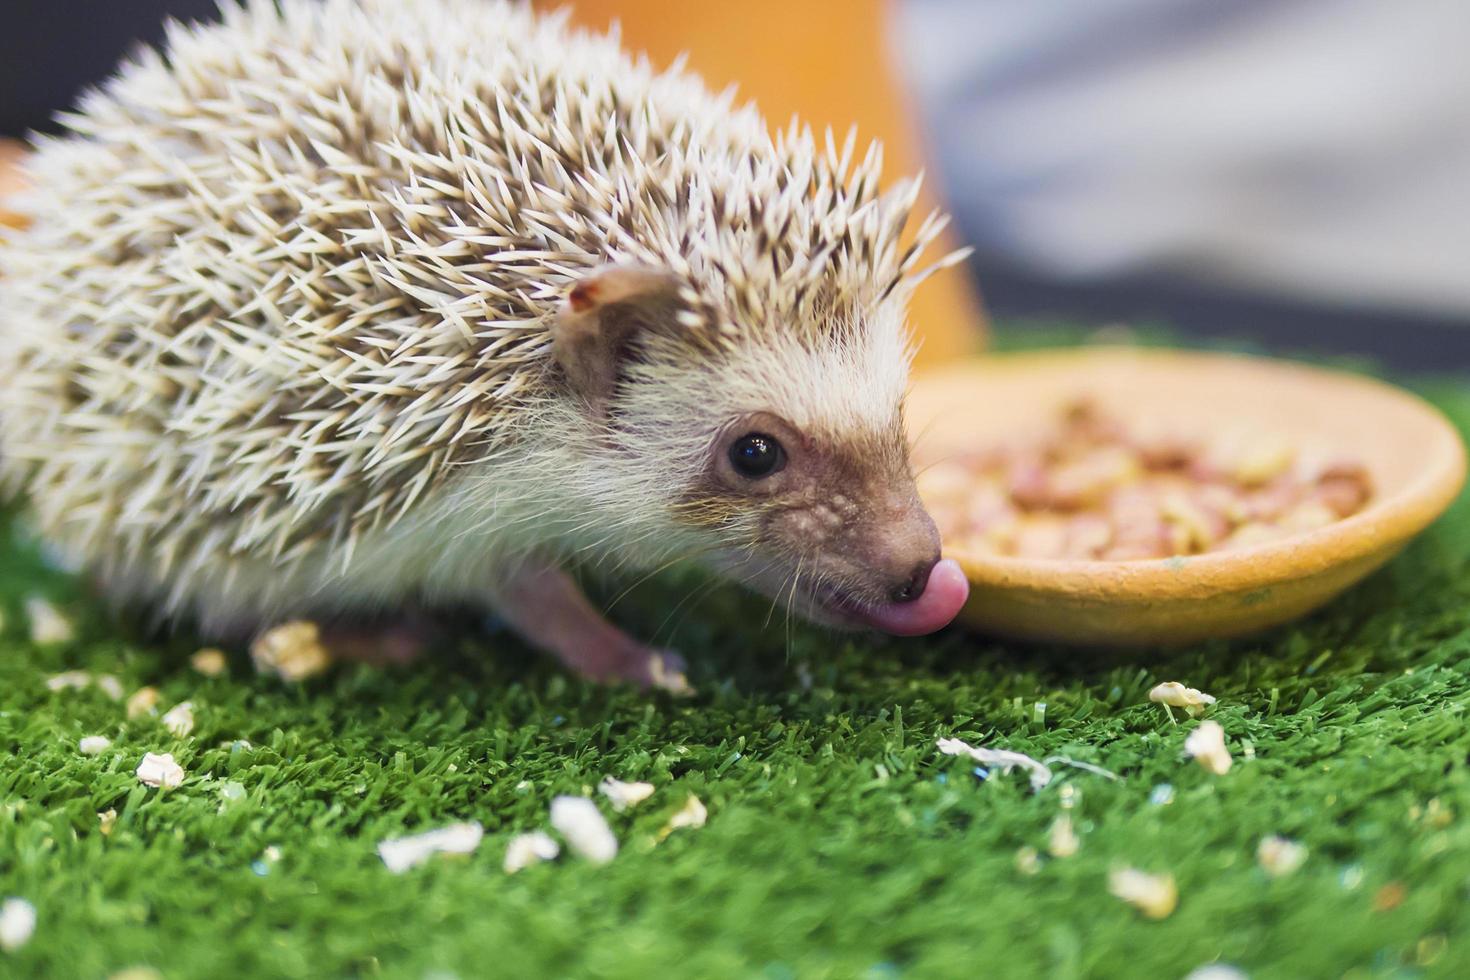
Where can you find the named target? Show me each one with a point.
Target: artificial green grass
(840, 843)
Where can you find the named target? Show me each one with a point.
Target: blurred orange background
(826, 62)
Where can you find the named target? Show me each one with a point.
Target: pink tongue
(943, 596)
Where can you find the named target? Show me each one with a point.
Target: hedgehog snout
(901, 550)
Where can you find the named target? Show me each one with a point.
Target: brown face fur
(841, 514)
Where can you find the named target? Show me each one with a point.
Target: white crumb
(691, 814)
(109, 685)
(1061, 839)
(1001, 759)
(1028, 862)
(69, 680)
(292, 651)
(1207, 745)
(1280, 856)
(401, 853)
(136, 973)
(209, 662)
(105, 820)
(1154, 895)
(1216, 971)
(667, 678)
(179, 719)
(94, 744)
(143, 702)
(624, 795)
(17, 923)
(525, 850)
(577, 819)
(160, 770)
(1175, 694)
(48, 626)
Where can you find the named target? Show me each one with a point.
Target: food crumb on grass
(399, 854)
(692, 814)
(584, 828)
(1279, 856)
(209, 662)
(291, 651)
(49, 627)
(160, 771)
(143, 701)
(1061, 839)
(17, 923)
(179, 719)
(1206, 745)
(1177, 695)
(93, 744)
(1155, 895)
(624, 796)
(524, 850)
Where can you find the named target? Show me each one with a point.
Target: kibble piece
(17, 923)
(160, 770)
(667, 677)
(624, 795)
(1156, 896)
(525, 850)
(179, 719)
(1216, 971)
(69, 680)
(1177, 695)
(577, 819)
(402, 853)
(143, 702)
(1061, 839)
(48, 626)
(1207, 745)
(1344, 488)
(691, 814)
(210, 662)
(1262, 459)
(94, 744)
(136, 973)
(292, 651)
(1280, 856)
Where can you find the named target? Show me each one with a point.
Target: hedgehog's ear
(600, 316)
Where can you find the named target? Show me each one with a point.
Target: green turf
(839, 842)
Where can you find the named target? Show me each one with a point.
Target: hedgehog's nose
(912, 587)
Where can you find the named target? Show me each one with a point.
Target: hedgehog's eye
(756, 455)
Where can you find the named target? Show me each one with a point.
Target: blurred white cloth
(1313, 148)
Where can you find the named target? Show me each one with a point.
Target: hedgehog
(328, 309)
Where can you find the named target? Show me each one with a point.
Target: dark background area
(50, 52)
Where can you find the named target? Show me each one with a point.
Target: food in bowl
(1093, 487)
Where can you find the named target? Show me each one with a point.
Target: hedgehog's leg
(393, 644)
(549, 611)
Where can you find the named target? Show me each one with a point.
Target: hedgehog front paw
(643, 667)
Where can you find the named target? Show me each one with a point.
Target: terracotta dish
(1414, 456)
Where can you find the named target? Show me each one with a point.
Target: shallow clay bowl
(1413, 455)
